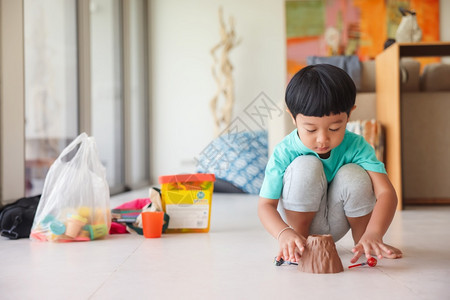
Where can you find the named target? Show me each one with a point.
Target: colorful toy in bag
(74, 205)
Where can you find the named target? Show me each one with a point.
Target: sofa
(425, 100)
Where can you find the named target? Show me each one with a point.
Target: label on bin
(188, 215)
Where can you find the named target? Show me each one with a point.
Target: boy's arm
(381, 218)
(269, 216)
(291, 244)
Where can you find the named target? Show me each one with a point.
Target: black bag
(17, 218)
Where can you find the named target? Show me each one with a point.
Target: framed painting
(350, 27)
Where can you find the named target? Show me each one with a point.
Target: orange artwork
(372, 37)
(428, 19)
(350, 27)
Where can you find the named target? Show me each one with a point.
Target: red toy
(371, 262)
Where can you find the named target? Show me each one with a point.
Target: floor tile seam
(400, 282)
(116, 269)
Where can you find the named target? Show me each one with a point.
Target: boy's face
(321, 134)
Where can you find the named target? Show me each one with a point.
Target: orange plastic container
(187, 199)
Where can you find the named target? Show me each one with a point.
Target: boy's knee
(304, 184)
(353, 186)
(305, 167)
(353, 176)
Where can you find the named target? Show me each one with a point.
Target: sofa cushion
(366, 107)
(410, 74)
(435, 77)
(367, 76)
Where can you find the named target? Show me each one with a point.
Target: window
(85, 68)
(138, 126)
(107, 88)
(51, 98)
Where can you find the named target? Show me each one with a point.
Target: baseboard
(426, 201)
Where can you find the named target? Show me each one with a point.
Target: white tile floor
(232, 261)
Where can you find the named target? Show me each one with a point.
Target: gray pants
(305, 189)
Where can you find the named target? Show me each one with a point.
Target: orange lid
(187, 178)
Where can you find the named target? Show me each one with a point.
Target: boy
(329, 179)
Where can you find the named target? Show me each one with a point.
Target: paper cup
(74, 225)
(152, 223)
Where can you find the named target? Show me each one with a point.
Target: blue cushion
(238, 158)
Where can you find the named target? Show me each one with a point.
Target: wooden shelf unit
(388, 101)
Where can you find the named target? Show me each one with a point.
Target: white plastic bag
(74, 205)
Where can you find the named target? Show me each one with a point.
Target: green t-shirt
(353, 149)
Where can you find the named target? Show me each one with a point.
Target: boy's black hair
(320, 90)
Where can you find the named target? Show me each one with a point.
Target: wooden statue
(223, 78)
(408, 30)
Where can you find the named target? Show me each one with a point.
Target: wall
(444, 20)
(183, 33)
(11, 100)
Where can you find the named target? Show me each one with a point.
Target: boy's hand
(292, 246)
(370, 243)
